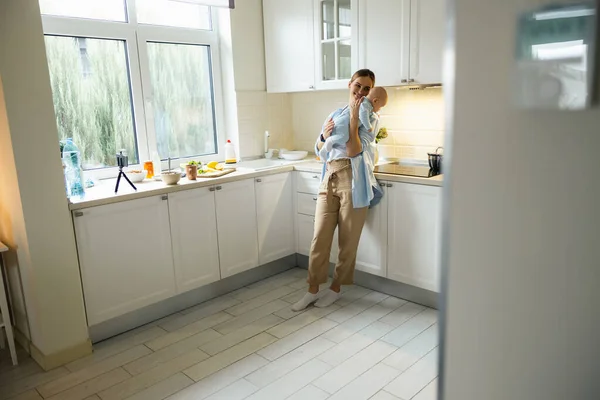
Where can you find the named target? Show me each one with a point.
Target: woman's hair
(364, 73)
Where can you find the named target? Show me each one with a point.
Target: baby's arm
(340, 134)
(366, 110)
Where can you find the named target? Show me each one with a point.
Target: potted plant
(191, 170)
(381, 134)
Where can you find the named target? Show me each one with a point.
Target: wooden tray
(216, 174)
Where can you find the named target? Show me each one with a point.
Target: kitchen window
(138, 75)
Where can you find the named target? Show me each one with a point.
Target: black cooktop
(420, 171)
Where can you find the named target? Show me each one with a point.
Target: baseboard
(51, 361)
(180, 302)
(23, 340)
(387, 286)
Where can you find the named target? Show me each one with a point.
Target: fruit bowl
(294, 155)
(170, 178)
(136, 175)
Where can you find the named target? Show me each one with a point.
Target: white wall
(41, 225)
(522, 253)
(257, 111)
(414, 119)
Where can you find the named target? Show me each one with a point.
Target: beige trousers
(334, 209)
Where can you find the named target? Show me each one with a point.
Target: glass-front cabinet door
(336, 42)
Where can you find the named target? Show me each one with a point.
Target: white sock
(305, 301)
(327, 299)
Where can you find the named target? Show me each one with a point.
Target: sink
(264, 163)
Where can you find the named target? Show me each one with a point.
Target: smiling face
(360, 86)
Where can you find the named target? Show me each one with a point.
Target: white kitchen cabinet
(384, 40)
(194, 238)
(414, 225)
(289, 45)
(427, 37)
(236, 227)
(275, 217)
(125, 256)
(305, 225)
(336, 42)
(372, 248)
(402, 41)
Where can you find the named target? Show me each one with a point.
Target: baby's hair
(380, 93)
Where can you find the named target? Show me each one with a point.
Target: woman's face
(360, 87)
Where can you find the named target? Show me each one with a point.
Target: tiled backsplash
(414, 119)
(259, 112)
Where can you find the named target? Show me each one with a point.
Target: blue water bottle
(73, 173)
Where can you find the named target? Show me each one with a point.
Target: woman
(335, 206)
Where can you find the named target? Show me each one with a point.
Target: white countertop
(103, 193)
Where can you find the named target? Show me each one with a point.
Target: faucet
(267, 136)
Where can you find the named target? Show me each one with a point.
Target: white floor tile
(261, 300)
(225, 342)
(309, 392)
(251, 316)
(278, 368)
(402, 314)
(75, 378)
(292, 382)
(188, 330)
(414, 379)
(292, 325)
(355, 343)
(383, 395)
(357, 293)
(140, 382)
(170, 352)
(236, 391)
(95, 385)
(11, 389)
(200, 311)
(356, 307)
(410, 329)
(430, 392)
(164, 388)
(355, 324)
(414, 350)
(368, 384)
(229, 356)
(221, 379)
(296, 339)
(355, 366)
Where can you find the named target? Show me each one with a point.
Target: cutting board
(216, 174)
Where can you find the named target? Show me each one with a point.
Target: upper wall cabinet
(318, 44)
(289, 45)
(336, 42)
(402, 41)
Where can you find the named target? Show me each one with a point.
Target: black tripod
(122, 161)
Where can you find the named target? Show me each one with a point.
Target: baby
(371, 104)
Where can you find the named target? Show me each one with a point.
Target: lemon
(219, 167)
(212, 164)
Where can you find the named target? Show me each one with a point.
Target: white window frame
(135, 35)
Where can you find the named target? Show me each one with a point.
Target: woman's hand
(328, 128)
(354, 107)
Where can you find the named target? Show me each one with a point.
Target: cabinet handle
(164, 197)
(78, 214)
(219, 187)
(311, 87)
(389, 185)
(314, 198)
(212, 189)
(259, 180)
(316, 176)
(404, 81)
(411, 80)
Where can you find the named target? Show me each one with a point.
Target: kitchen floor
(250, 345)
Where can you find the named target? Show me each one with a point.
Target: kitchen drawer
(308, 182)
(306, 203)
